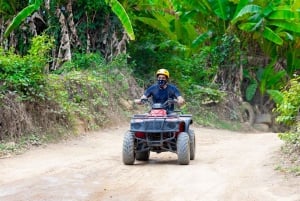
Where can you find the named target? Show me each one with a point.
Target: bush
(25, 75)
(288, 110)
(82, 62)
(289, 107)
(91, 95)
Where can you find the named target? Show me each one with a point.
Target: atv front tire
(183, 148)
(128, 148)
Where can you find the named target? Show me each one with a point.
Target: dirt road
(229, 166)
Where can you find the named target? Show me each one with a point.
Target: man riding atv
(161, 129)
(162, 91)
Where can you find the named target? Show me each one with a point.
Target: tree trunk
(64, 52)
(73, 36)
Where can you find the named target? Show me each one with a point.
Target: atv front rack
(154, 125)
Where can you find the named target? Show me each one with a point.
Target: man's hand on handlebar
(141, 101)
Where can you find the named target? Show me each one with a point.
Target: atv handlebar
(145, 100)
(169, 102)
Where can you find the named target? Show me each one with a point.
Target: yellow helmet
(163, 72)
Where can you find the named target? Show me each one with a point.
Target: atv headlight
(171, 125)
(136, 125)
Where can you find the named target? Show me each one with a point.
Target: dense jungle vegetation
(66, 64)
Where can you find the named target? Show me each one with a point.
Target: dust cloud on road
(229, 166)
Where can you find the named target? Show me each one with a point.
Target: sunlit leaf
(276, 95)
(248, 26)
(220, 9)
(240, 6)
(247, 10)
(282, 15)
(270, 35)
(291, 26)
(200, 39)
(19, 19)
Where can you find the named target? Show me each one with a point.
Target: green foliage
(90, 6)
(121, 13)
(271, 21)
(27, 11)
(41, 46)
(90, 94)
(250, 91)
(82, 62)
(197, 70)
(269, 78)
(205, 95)
(25, 75)
(116, 7)
(291, 137)
(227, 50)
(76, 93)
(193, 75)
(289, 108)
(265, 22)
(265, 79)
(10, 7)
(276, 95)
(6, 7)
(177, 28)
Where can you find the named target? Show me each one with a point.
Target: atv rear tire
(192, 144)
(128, 148)
(183, 148)
(142, 156)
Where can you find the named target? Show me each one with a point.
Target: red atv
(158, 131)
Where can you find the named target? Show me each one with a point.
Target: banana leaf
(154, 23)
(22, 15)
(200, 39)
(19, 19)
(270, 35)
(119, 10)
(282, 15)
(276, 95)
(290, 26)
(247, 10)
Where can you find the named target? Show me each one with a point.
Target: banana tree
(189, 22)
(274, 23)
(277, 25)
(179, 21)
(266, 78)
(176, 27)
